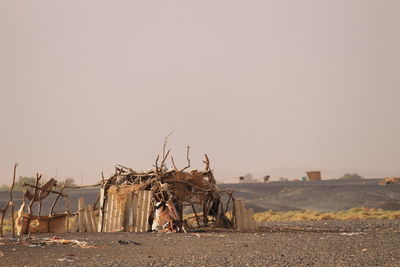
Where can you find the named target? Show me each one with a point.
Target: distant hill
(324, 196)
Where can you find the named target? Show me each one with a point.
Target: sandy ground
(318, 243)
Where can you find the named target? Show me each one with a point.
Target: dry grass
(351, 214)
(269, 216)
(7, 226)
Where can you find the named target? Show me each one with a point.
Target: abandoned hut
(138, 201)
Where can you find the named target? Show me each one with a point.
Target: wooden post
(81, 223)
(113, 209)
(91, 218)
(106, 213)
(145, 208)
(237, 211)
(116, 221)
(110, 212)
(87, 219)
(244, 215)
(3, 213)
(134, 209)
(205, 213)
(101, 210)
(195, 214)
(11, 199)
(38, 177)
(127, 213)
(138, 211)
(253, 224)
(54, 204)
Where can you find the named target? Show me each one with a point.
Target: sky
(262, 87)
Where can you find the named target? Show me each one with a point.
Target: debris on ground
(69, 259)
(45, 241)
(124, 242)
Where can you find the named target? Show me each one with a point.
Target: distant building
(247, 179)
(314, 176)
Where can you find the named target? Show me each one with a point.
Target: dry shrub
(351, 214)
(182, 184)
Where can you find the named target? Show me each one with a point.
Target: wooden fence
(85, 221)
(244, 218)
(131, 216)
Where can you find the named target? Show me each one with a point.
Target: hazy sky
(257, 85)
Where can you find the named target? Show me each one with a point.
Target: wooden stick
(164, 158)
(96, 202)
(40, 205)
(227, 203)
(195, 214)
(173, 163)
(165, 144)
(82, 186)
(101, 211)
(58, 196)
(187, 157)
(3, 213)
(11, 199)
(205, 213)
(81, 213)
(158, 156)
(207, 162)
(38, 177)
(43, 189)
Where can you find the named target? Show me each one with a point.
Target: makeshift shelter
(27, 223)
(139, 201)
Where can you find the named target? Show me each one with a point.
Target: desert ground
(299, 243)
(302, 243)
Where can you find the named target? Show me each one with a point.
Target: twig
(164, 159)
(207, 162)
(158, 157)
(187, 157)
(173, 163)
(165, 143)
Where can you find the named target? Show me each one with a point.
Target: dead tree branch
(164, 159)
(173, 163)
(55, 201)
(165, 143)
(207, 162)
(156, 164)
(47, 190)
(187, 157)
